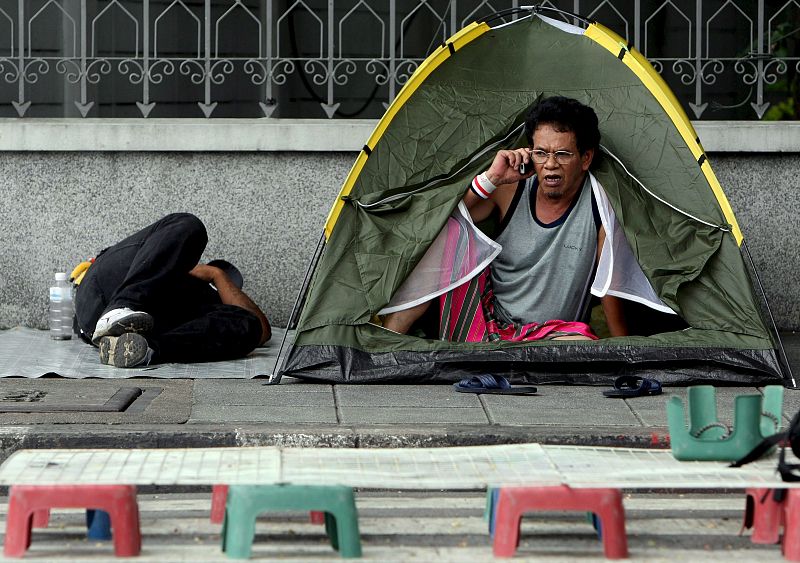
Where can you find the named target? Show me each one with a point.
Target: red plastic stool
(764, 514)
(605, 503)
(41, 518)
(316, 517)
(219, 495)
(791, 528)
(27, 502)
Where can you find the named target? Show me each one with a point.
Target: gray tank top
(543, 271)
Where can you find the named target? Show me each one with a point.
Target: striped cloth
(467, 313)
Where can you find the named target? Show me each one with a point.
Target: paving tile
(204, 414)
(411, 415)
(437, 396)
(247, 392)
(559, 406)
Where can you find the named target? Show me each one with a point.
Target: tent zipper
(395, 197)
(725, 228)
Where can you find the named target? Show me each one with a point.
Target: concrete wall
(264, 211)
(764, 191)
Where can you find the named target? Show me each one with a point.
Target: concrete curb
(389, 436)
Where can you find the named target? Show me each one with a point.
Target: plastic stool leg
(493, 496)
(224, 532)
(98, 525)
(331, 531)
(124, 513)
(767, 516)
(507, 520)
(18, 525)
(41, 518)
(347, 533)
(612, 519)
(239, 530)
(219, 494)
(791, 530)
(592, 518)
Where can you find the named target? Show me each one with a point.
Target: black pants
(148, 271)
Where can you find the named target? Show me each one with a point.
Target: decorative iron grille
(725, 59)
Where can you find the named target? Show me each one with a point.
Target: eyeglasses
(562, 157)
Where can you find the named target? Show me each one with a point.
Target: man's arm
(504, 174)
(232, 295)
(612, 306)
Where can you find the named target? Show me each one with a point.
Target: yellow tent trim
(656, 85)
(459, 40)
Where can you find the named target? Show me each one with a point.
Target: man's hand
(206, 273)
(504, 174)
(505, 167)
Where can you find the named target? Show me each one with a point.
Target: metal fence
(725, 59)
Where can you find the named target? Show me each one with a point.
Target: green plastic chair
(707, 439)
(246, 502)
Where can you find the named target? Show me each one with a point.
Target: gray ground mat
(26, 352)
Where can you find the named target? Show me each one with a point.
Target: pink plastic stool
(219, 495)
(27, 503)
(605, 503)
(764, 515)
(41, 518)
(791, 528)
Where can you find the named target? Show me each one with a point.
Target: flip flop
(626, 386)
(491, 384)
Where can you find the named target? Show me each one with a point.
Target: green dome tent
(466, 101)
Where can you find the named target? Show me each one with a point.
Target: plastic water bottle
(61, 309)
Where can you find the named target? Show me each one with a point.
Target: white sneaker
(119, 321)
(126, 351)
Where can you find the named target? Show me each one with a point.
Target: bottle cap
(61, 276)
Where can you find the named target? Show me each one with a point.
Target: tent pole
(275, 376)
(782, 355)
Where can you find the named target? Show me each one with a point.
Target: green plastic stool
(755, 418)
(246, 502)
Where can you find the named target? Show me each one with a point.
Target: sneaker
(126, 351)
(120, 321)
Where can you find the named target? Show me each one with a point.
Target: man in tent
(147, 300)
(550, 231)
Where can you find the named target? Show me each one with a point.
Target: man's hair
(567, 115)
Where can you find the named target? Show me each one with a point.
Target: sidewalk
(237, 412)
